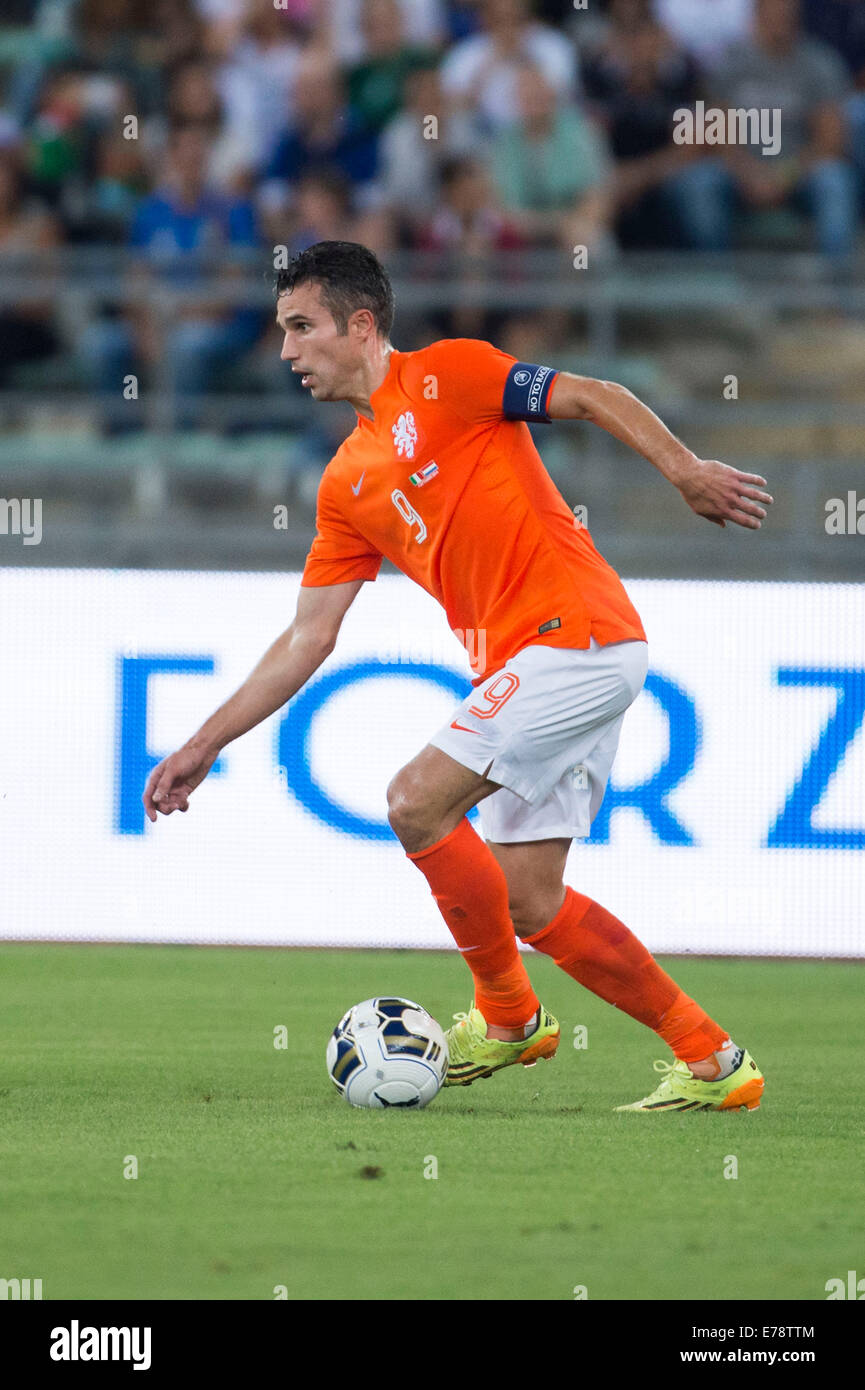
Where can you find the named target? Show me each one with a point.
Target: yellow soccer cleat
(472, 1054)
(681, 1091)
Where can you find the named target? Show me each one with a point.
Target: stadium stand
(155, 156)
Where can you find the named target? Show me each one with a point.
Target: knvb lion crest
(405, 435)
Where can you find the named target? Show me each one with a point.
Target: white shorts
(546, 727)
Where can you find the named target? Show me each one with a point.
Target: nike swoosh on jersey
(355, 487)
(455, 725)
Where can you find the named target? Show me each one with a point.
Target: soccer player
(441, 476)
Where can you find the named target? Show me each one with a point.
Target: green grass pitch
(253, 1173)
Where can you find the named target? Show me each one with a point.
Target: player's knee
(525, 919)
(405, 808)
(530, 914)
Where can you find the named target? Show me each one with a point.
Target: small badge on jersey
(548, 627)
(423, 475)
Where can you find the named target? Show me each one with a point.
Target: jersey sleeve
(481, 383)
(338, 552)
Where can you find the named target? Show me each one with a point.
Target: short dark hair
(351, 277)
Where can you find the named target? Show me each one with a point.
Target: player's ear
(361, 324)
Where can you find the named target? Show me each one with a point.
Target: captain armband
(526, 392)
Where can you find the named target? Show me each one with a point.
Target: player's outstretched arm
(284, 668)
(711, 489)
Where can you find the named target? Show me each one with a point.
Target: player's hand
(720, 493)
(174, 779)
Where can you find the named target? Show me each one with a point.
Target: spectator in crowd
(257, 54)
(481, 72)
(841, 23)
(376, 86)
(26, 329)
(64, 147)
(469, 227)
(120, 180)
(462, 20)
(175, 228)
(57, 139)
(705, 28)
(323, 210)
(51, 45)
(193, 98)
(325, 131)
(781, 69)
(192, 95)
(636, 79)
(110, 43)
(552, 169)
(470, 220)
(413, 147)
(176, 34)
(342, 28)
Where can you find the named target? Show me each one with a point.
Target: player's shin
(472, 895)
(603, 955)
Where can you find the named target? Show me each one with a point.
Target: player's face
(326, 360)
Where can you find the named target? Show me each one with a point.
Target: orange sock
(471, 890)
(597, 950)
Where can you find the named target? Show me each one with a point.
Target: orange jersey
(455, 494)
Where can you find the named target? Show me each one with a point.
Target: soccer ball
(387, 1052)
